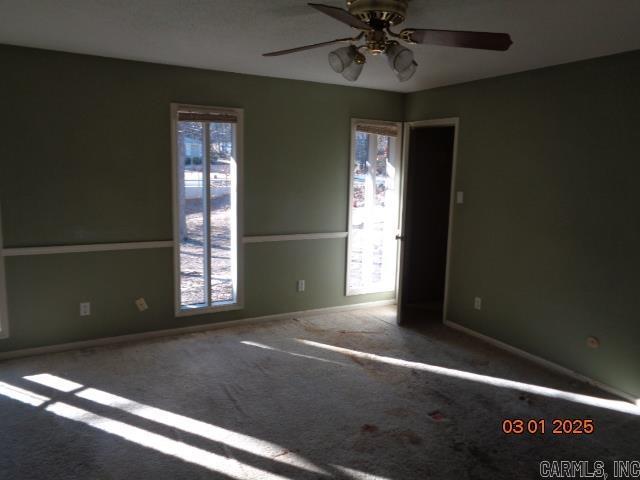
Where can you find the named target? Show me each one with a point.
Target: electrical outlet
(85, 309)
(477, 303)
(300, 286)
(141, 304)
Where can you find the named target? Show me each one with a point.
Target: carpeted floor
(347, 395)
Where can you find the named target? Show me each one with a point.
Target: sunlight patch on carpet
(616, 405)
(211, 461)
(246, 443)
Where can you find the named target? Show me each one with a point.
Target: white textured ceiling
(231, 35)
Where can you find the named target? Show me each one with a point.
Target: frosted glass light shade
(343, 61)
(353, 71)
(400, 58)
(408, 72)
(341, 58)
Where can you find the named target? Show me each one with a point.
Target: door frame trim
(407, 127)
(4, 309)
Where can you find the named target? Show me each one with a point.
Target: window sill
(189, 312)
(353, 293)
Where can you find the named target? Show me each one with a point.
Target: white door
(375, 180)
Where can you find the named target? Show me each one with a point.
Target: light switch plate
(477, 303)
(459, 198)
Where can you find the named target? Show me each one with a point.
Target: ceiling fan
(374, 19)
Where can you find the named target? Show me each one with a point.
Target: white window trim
(4, 309)
(239, 233)
(352, 162)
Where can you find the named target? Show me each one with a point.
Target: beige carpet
(346, 395)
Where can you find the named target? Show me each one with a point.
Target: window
(373, 207)
(207, 228)
(4, 314)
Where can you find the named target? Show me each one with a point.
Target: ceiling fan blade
(341, 15)
(458, 38)
(306, 47)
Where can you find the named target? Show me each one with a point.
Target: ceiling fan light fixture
(342, 57)
(400, 58)
(348, 62)
(408, 72)
(353, 71)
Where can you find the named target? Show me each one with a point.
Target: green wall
(85, 157)
(549, 234)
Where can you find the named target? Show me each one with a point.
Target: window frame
(398, 145)
(239, 217)
(4, 309)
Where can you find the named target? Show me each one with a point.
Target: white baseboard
(542, 362)
(134, 337)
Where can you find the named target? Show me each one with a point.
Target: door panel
(373, 210)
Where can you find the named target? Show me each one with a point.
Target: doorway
(430, 150)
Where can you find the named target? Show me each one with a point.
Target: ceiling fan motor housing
(381, 12)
